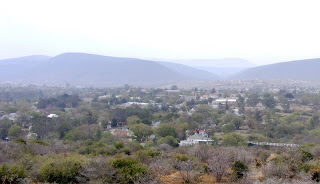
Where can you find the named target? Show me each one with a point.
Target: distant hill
(96, 70)
(222, 72)
(219, 63)
(307, 69)
(190, 71)
(221, 68)
(16, 67)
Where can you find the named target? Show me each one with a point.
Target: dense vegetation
(96, 136)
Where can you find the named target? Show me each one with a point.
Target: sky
(262, 32)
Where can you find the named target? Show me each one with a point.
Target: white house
(52, 116)
(195, 139)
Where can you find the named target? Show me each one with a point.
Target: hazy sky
(260, 31)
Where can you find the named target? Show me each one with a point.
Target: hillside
(96, 70)
(307, 69)
(190, 71)
(11, 69)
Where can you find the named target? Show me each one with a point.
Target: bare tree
(161, 166)
(200, 151)
(97, 168)
(219, 162)
(188, 169)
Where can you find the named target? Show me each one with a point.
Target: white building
(195, 139)
(52, 116)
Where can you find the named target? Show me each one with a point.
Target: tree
(213, 90)
(114, 122)
(268, 100)
(14, 131)
(289, 95)
(220, 160)
(5, 125)
(233, 139)
(174, 87)
(239, 169)
(128, 169)
(314, 121)
(168, 140)
(141, 131)
(133, 120)
(253, 99)
(165, 129)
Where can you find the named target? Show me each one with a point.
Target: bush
(42, 143)
(234, 139)
(10, 174)
(21, 141)
(128, 169)
(118, 145)
(239, 170)
(61, 168)
(168, 140)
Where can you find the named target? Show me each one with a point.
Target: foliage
(118, 145)
(233, 139)
(61, 168)
(14, 131)
(141, 131)
(128, 169)
(239, 169)
(168, 140)
(11, 173)
(165, 129)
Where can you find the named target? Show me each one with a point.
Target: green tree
(128, 169)
(133, 120)
(239, 169)
(165, 129)
(213, 90)
(253, 99)
(14, 131)
(168, 140)
(61, 168)
(5, 125)
(141, 131)
(268, 100)
(233, 139)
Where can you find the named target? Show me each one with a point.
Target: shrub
(118, 145)
(42, 143)
(128, 169)
(10, 174)
(21, 141)
(61, 168)
(168, 140)
(239, 170)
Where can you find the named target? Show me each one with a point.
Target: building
(52, 116)
(195, 139)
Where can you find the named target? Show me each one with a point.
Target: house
(52, 116)
(88, 100)
(195, 139)
(155, 124)
(11, 116)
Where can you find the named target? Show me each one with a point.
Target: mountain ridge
(305, 69)
(97, 70)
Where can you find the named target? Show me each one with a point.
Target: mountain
(221, 68)
(15, 67)
(219, 63)
(307, 69)
(96, 70)
(222, 72)
(190, 71)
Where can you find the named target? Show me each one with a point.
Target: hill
(307, 69)
(11, 69)
(96, 70)
(190, 71)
